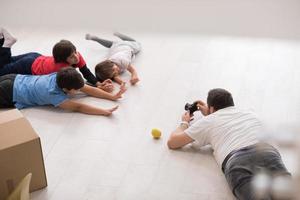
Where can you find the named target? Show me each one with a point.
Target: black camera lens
(191, 107)
(187, 106)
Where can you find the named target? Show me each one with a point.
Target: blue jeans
(242, 165)
(16, 64)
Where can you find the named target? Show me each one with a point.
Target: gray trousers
(241, 166)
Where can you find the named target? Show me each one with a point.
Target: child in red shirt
(64, 55)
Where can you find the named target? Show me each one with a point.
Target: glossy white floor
(255, 55)
(94, 157)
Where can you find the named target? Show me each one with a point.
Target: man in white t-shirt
(232, 133)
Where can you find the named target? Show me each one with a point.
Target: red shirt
(46, 65)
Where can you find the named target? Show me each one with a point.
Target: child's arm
(87, 74)
(118, 80)
(134, 77)
(99, 93)
(84, 108)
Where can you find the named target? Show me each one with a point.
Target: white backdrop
(262, 18)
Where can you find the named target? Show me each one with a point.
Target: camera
(191, 107)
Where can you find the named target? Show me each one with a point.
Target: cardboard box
(20, 153)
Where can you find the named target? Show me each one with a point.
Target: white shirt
(122, 53)
(226, 130)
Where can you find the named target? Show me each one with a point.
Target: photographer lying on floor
(232, 133)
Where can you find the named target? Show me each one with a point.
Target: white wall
(262, 18)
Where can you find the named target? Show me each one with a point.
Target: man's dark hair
(219, 98)
(62, 50)
(69, 78)
(104, 70)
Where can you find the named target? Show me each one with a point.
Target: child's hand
(123, 86)
(107, 81)
(107, 86)
(134, 80)
(108, 112)
(119, 94)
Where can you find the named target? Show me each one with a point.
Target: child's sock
(106, 43)
(9, 40)
(88, 36)
(123, 37)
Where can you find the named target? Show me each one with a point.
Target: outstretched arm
(99, 93)
(134, 77)
(87, 74)
(87, 109)
(178, 137)
(118, 80)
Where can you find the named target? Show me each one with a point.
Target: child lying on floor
(64, 55)
(119, 58)
(23, 91)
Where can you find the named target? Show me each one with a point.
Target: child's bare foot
(9, 40)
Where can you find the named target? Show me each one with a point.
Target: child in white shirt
(119, 58)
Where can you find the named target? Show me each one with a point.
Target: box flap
(10, 115)
(15, 131)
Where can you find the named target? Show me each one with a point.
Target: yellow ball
(156, 133)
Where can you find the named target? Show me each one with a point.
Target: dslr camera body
(191, 107)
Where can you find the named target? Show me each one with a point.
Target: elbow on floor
(171, 145)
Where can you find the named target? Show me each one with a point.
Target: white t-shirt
(122, 53)
(226, 130)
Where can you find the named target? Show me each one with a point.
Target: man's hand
(178, 137)
(186, 117)
(202, 107)
(106, 85)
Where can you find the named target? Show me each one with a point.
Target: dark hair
(62, 50)
(104, 70)
(219, 98)
(69, 78)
